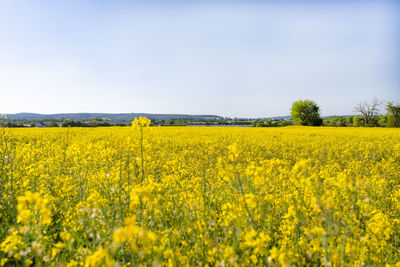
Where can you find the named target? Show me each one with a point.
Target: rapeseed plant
(199, 196)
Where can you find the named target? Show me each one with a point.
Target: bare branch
(368, 110)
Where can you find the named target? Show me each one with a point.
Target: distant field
(216, 196)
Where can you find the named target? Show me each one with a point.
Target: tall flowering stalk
(141, 123)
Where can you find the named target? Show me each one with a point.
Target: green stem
(141, 153)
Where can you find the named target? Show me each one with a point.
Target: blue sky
(230, 58)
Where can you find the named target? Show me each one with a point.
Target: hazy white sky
(229, 58)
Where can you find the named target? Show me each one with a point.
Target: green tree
(382, 120)
(332, 121)
(393, 115)
(340, 122)
(70, 123)
(349, 120)
(306, 112)
(356, 121)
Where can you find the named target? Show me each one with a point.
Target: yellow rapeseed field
(199, 196)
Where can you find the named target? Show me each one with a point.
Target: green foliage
(179, 123)
(306, 112)
(356, 121)
(373, 121)
(92, 123)
(393, 115)
(121, 124)
(340, 122)
(332, 122)
(120, 117)
(286, 123)
(71, 123)
(391, 121)
(382, 120)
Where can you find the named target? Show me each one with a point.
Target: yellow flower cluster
(27, 239)
(33, 207)
(100, 257)
(141, 122)
(180, 196)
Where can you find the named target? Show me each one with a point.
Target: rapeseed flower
(200, 196)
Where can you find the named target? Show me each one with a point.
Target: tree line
(307, 113)
(303, 112)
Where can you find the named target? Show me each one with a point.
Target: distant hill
(115, 117)
(128, 117)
